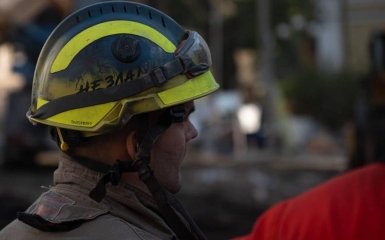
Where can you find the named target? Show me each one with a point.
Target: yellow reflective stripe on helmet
(190, 90)
(91, 34)
(86, 117)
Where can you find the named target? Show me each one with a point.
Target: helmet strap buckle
(158, 77)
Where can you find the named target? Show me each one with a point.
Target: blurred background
(302, 96)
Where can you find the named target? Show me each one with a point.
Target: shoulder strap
(40, 223)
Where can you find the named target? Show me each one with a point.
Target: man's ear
(131, 144)
(136, 127)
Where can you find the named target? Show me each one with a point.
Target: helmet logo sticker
(126, 49)
(79, 122)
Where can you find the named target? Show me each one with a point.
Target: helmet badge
(126, 49)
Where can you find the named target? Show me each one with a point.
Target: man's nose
(191, 131)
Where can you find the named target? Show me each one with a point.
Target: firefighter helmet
(112, 60)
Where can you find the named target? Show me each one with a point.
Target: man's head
(167, 152)
(126, 72)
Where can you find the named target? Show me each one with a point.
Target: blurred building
(362, 18)
(343, 30)
(329, 34)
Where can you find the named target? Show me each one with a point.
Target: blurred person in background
(350, 206)
(22, 141)
(115, 83)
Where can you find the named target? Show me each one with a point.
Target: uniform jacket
(351, 207)
(125, 212)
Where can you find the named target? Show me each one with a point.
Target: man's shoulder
(103, 227)
(63, 214)
(112, 227)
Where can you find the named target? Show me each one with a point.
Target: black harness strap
(40, 223)
(113, 175)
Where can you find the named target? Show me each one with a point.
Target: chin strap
(113, 175)
(170, 208)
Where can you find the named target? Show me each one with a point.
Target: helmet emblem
(126, 49)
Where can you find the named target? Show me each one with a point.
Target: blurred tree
(240, 33)
(192, 14)
(291, 22)
(239, 25)
(283, 10)
(328, 97)
(238, 30)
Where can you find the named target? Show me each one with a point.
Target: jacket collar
(68, 200)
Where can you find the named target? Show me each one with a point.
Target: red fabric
(350, 206)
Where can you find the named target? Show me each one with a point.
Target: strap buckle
(158, 77)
